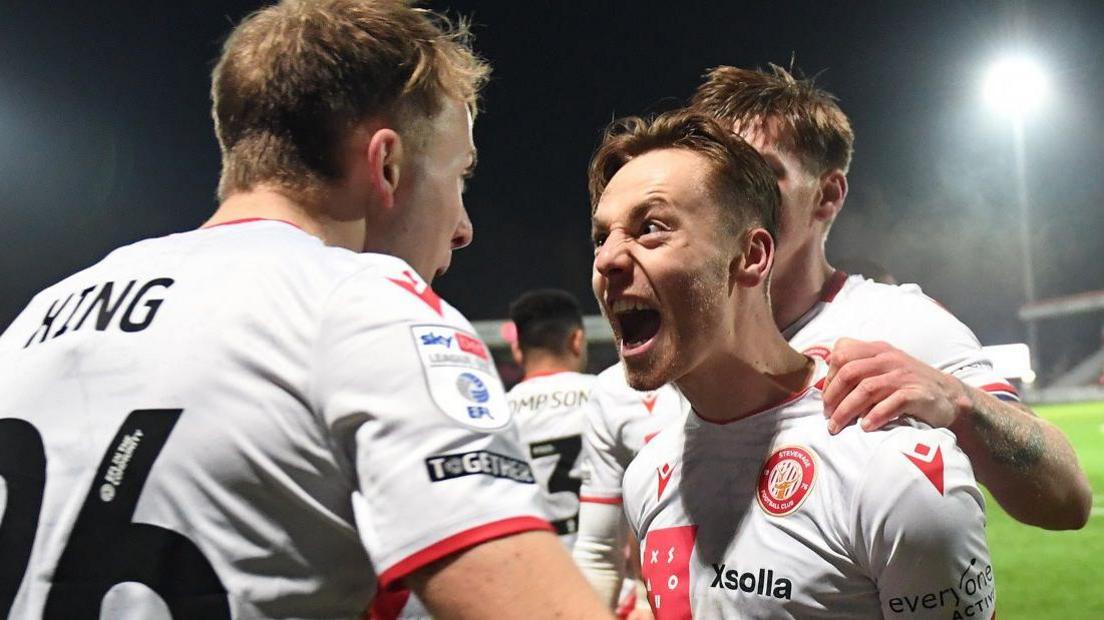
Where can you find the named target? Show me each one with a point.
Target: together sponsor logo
(478, 463)
(974, 596)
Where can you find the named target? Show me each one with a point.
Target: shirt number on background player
(105, 547)
(566, 450)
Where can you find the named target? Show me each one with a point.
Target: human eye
(652, 227)
(598, 239)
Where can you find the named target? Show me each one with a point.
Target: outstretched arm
(1026, 462)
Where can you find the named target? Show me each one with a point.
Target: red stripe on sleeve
(998, 387)
(590, 499)
(459, 542)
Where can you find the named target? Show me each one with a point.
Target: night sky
(105, 136)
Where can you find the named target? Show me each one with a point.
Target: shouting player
(271, 415)
(750, 507)
(548, 403)
(924, 363)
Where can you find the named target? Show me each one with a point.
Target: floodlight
(1015, 86)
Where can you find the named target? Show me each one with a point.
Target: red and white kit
(619, 421)
(548, 410)
(771, 517)
(240, 422)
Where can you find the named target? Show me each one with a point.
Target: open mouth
(637, 323)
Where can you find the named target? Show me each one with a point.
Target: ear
(384, 159)
(833, 191)
(578, 342)
(752, 266)
(515, 351)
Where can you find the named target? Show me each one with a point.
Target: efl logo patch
(785, 480)
(460, 377)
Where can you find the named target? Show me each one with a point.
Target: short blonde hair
(294, 78)
(812, 125)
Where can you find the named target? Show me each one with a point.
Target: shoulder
(663, 449)
(906, 318)
(908, 461)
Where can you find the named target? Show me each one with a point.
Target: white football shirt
(619, 421)
(855, 307)
(548, 410)
(771, 517)
(240, 422)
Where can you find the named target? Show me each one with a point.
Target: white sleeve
(919, 528)
(605, 455)
(414, 405)
(600, 541)
(925, 330)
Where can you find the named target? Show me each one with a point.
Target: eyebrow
(637, 212)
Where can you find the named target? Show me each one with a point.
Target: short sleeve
(925, 330)
(414, 406)
(604, 455)
(920, 529)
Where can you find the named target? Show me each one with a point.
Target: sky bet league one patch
(461, 377)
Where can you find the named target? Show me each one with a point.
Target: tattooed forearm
(1010, 440)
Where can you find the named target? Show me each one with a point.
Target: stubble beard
(707, 292)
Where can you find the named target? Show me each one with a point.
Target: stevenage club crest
(785, 480)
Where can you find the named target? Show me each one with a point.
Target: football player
(275, 415)
(917, 359)
(547, 404)
(750, 507)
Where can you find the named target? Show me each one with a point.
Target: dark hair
(545, 319)
(741, 178)
(811, 124)
(295, 77)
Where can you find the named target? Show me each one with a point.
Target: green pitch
(1044, 574)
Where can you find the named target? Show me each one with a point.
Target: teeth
(625, 305)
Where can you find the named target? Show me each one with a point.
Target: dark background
(105, 137)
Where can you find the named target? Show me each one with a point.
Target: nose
(464, 233)
(613, 257)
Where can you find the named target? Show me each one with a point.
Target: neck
(797, 286)
(759, 360)
(546, 364)
(269, 203)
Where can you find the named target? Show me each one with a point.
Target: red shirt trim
(543, 373)
(833, 286)
(590, 499)
(459, 542)
(246, 220)
(998, 387)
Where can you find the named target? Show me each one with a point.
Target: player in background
(547, 405)
(919, 360)
(271, 415)
(750, 507)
